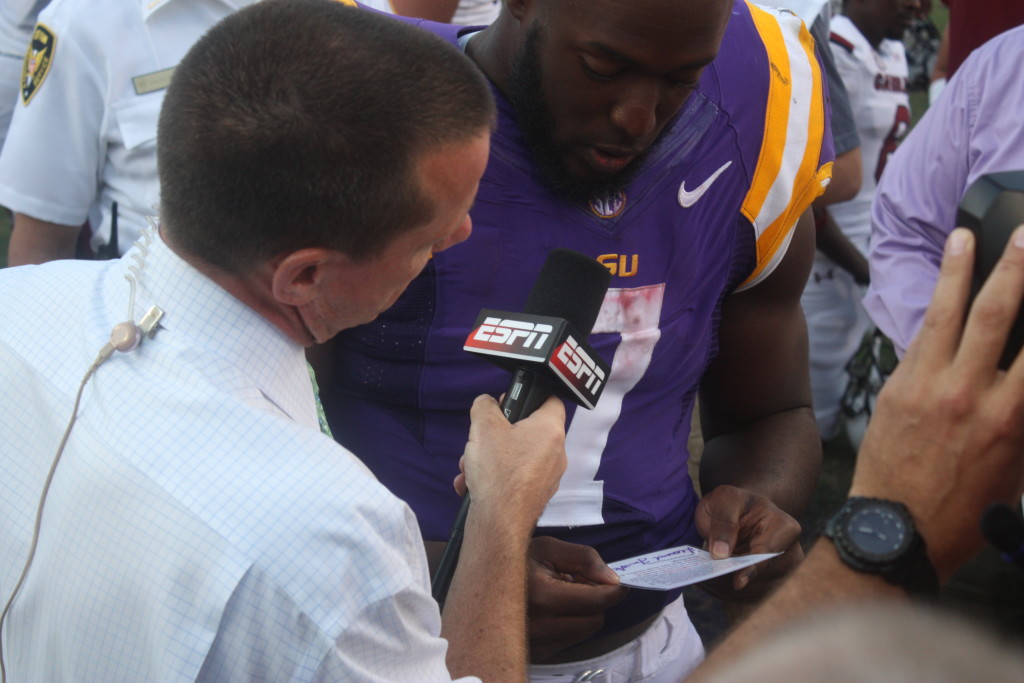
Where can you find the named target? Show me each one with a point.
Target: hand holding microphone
(514, 468)
(545, 349)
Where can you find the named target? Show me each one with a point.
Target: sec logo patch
(609, 207)
(37, 62)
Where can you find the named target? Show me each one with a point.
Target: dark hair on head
(300, 123)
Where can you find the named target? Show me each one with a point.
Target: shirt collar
(199, 311)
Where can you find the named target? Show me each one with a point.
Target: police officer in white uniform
(82, 142)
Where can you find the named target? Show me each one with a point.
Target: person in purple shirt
(677, 144)
(974, 129)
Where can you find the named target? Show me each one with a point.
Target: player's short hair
(300, 123)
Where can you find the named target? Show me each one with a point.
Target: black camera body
(992, 208)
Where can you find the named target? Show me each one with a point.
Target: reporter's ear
(296, 276)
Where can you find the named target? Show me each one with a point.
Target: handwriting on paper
(677, 567)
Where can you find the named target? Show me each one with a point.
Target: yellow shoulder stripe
(787, 178)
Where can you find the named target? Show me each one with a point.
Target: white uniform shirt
(199, 526)
(876, 81)
(17, 17)
(87, 137)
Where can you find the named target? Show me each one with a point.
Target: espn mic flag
(542, 344)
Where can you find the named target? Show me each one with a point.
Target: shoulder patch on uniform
(837, 39)
(37, 61)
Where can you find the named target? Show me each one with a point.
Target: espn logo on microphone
(579, 371)
(510, 337)
(545, 345)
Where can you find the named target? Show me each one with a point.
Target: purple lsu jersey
(711, 211)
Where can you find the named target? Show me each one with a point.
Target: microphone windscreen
(1003, 528)
(571, 286)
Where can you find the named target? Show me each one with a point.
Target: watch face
(877, 532)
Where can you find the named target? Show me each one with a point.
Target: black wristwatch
(877, 536)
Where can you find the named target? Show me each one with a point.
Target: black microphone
(545, 348)
(1004, 529)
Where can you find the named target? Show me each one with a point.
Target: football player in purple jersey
(679, 144)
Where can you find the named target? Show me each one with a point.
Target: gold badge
(151, 82)
(37, 61)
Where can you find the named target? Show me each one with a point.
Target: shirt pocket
(137, 118)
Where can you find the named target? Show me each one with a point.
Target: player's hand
(947, 436)
(514, 467)
(569, 588)
(734, 521)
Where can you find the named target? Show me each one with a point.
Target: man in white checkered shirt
(199, 526)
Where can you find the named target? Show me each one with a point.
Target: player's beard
(527, 96)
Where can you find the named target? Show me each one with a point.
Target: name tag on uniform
(158, 80)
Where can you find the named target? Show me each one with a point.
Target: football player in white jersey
(866, 44)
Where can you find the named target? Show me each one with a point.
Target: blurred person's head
(900, 643)
(879, 19)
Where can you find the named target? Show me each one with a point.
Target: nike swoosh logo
(689, 198)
